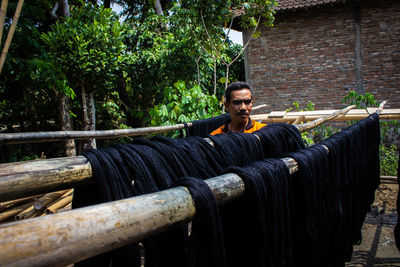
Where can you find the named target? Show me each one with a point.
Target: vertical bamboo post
(11, 33)
(3, 12)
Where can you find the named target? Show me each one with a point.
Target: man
(239, 103)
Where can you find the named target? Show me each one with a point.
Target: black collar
(226, 128)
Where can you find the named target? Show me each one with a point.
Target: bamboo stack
(35, 206)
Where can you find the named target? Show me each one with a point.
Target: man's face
(240, 105)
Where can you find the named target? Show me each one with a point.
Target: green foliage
(296, 106)
(159, 58)
(25, 101)
(307, 137)
(221, 12)
(183, 104)
(361, 101)
(87, 47)
(389, 157)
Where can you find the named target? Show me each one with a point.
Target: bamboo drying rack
(74, 235)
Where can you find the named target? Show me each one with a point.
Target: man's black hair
(236, 86)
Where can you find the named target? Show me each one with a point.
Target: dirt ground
(378, 246)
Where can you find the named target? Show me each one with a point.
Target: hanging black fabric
(205, 126)
(207, 238)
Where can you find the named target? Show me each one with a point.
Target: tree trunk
(66, 125)
(64, 8)
(63, 101)
(158, 7)
(89, 118)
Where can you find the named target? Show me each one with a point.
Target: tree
(210, 16)
(88, 48)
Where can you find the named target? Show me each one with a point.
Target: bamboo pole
(70, 236)
(389, 179)
(354, 114)
(28, 137)
(41, 202)
(381, 106)
(3, 13)
(259, 106)
(14, 211)
(11, 203)
(10, 33)
(299, 119)
(309, 125)
(66, 208)
(61, 203)
(29, 212)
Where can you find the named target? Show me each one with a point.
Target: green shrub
(389, 157)
(183, 104)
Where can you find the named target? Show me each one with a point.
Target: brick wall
(309, 55)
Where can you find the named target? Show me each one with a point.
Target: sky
(235, 36)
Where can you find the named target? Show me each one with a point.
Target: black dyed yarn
(331, 193)
(279, 138)
(238, 149)
(310, 194)
(257, 227)
(205, 126)
(207, 238)
(113, 183)
(147, 166)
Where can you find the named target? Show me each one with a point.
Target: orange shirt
(252, 126)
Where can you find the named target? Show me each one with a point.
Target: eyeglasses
(241, 101)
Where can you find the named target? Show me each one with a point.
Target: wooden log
(309, 125)
(22, 179)
(29, 137)
(67, 237)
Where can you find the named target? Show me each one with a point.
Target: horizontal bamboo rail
(50, 175)
(38, 137)
(289, 117)
(316, 122)
(355, 114)
(71, 236)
